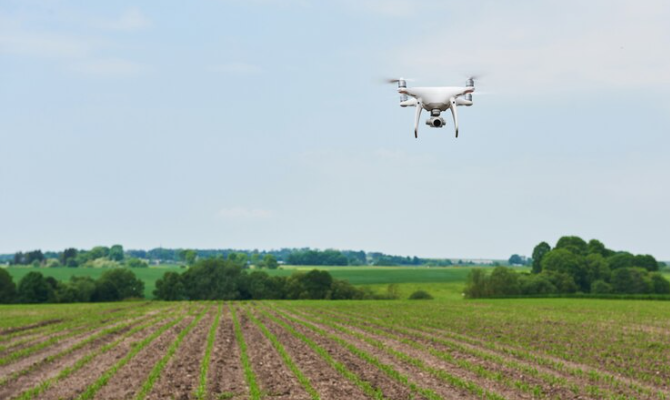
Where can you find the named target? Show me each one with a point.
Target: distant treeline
(115, 256)
(573, 266)
(210, 279)
(113, 285)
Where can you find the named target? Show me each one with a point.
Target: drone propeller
(396, 80)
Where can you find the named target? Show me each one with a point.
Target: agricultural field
(442, 349)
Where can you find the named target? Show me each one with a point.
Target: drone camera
(435, 122)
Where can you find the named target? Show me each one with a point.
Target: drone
(435, 100)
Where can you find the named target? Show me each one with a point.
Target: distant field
(378, 276)
(453, 349)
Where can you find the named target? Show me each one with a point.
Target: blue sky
(262, 124)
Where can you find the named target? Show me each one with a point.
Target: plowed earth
(338, 355)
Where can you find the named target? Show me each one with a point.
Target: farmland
(449, 349)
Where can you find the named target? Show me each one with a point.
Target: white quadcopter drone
(435, 100)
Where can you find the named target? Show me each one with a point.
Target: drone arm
(454, 113)
(419, 107)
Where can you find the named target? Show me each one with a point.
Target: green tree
(116, 253)
(476, 284)
(631, 281)
(124, 280)
(68, 257)
(270, 262)
(503, 282)
(564, 261)
(133, 262)
(601, 287)
(7, 287)
(645, 261)
(33, 288)
(597, 247)
(170, 287)
(536, 284)
(98, 252)
(659, 284)
(317, 284)
(621, 259)
(188, 256)
(574, 244)
(538, 254)
(515, 259)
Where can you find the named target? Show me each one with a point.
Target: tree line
(113, 285)
(226, 279)
(115, 256)
(573, 266)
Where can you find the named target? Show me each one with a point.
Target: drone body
(435, 100)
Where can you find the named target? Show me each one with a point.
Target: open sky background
(262, 124)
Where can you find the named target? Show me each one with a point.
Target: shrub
(601, 287)
(420, 295)
(7, 287)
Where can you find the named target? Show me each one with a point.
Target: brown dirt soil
(274, 378)
(180, 378)
(454, 369)
(326, 380)
(46, 371)
(561, 392)
(421, 378)
(226, 376)
(375, 377)
(128, 380)
(77, 383)
(42, 370)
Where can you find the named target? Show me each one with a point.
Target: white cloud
(39, 44)
(110, 67)
(236, 68)
(244, 213)
(131, 20)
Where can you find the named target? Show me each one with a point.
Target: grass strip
(136, 348)
(201, 392)
(304, 381)
(34, 392)
(367, 388)
(160, 365)
(249, 375)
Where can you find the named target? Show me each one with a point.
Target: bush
(420, 295)
(33, 288)
(601, 287)
(7, 287)
(136, 263)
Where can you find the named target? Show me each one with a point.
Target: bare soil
(128, 380)
(367, 372)
(180, 378)
(77, 382)
(274, 377)
(226, 377)
(324, 378)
